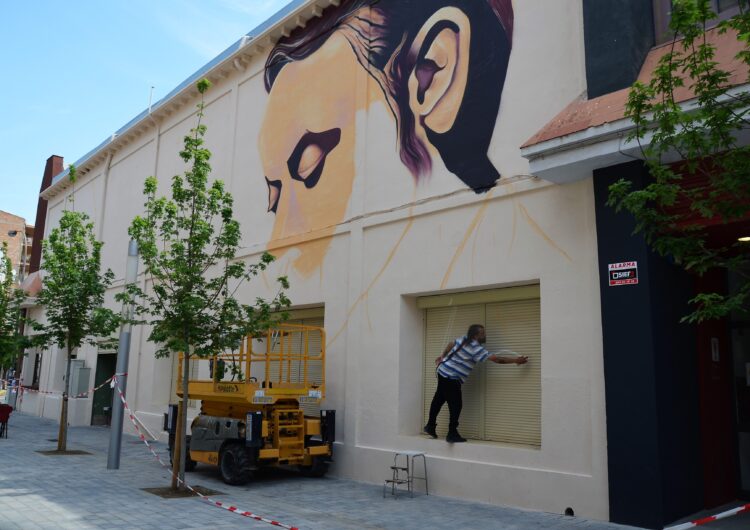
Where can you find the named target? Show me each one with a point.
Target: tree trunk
(177, 449)
(62, 434)
(185, 396)
(180, 449)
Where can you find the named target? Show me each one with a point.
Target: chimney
(53, 167)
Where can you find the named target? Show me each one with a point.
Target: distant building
(19, 237)
(29, 367)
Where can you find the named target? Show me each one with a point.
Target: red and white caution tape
(23, 389)
(212, 502)
(711, 518)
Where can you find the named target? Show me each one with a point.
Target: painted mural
(439, 67)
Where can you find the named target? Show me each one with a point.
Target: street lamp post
(21, 274)
(123, 355)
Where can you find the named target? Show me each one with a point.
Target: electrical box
(79, 378)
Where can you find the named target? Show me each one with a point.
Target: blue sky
(73, 72)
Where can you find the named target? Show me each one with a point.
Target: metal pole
(123, 352)
(22, 273)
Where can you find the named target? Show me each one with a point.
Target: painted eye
(274, 194)
(309, 156)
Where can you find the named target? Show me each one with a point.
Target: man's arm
(439, 358)
(506, 359)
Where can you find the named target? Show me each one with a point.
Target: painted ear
(440, 55)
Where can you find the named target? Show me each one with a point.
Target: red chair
(5, 411)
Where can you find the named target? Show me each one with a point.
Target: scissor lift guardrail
(278, 365)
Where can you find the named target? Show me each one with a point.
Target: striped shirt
(459, 363)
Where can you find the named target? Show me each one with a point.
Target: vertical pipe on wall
(137, 367)
(102, 216)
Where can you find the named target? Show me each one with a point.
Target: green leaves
(73, 290)
(12, 343)
(188, 244)
(712, 183)
(203, 85)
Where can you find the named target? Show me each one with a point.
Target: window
(662, 8)
(306, 317)
(176, 382)
(501, 403)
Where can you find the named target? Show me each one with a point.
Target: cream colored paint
(573, 447)
(393, 241)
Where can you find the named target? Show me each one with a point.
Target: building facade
(376, 149)
(19, 237)
(678, 435)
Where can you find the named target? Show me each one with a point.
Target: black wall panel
(650, 372)
(617, 36)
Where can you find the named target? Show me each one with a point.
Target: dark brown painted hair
(381, 33)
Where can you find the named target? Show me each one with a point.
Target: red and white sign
(625, 273)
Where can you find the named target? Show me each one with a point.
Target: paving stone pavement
(40, 492)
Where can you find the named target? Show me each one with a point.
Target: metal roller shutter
(442, 325)
(176, 382)
(501, 403)
(513, 396)
(314, 368)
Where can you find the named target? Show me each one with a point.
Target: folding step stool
(403, 473)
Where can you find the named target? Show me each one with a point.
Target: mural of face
(307, 148)
(440, 66)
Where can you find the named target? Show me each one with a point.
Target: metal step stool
(403, 473)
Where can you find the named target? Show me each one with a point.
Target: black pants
(448, 390)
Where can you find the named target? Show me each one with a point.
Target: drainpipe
(107, 167)
(157, 140)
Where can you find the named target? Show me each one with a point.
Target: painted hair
(381, 33)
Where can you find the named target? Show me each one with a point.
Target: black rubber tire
(317, 469)
(189, 464)
(234, 464)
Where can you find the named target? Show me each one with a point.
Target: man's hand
(438, 360)
(514, 358)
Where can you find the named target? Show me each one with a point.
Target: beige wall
(397, 241)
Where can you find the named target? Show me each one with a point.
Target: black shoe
(454, 438)
(430, 431)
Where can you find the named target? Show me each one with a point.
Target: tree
(72, 294)
(12, 341)
(188, 244)
(711, 184)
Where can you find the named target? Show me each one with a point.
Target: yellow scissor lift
(254, 403)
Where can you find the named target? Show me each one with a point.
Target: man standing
(454, 366)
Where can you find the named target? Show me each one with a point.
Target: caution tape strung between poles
(212, 502)
(711, 518)
(57, 392)
(22, 390)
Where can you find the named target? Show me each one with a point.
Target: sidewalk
(78, 492)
